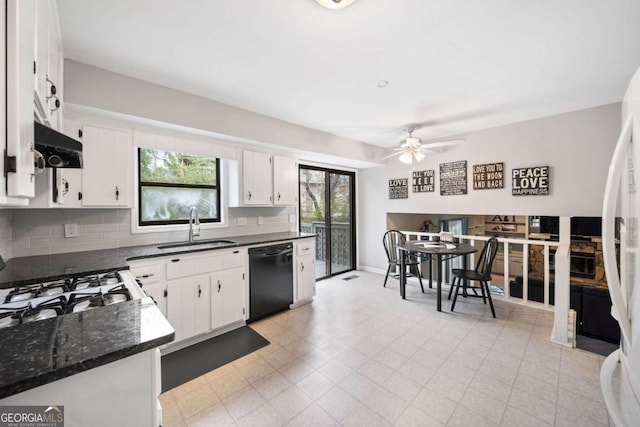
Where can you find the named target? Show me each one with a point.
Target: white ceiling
(455, 65)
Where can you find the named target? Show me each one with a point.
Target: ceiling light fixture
(335, 4)
(383, 83)
(412, 153)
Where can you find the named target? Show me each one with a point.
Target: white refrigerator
(620, 374)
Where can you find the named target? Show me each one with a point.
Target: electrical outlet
(260, 220)
(292, 218)
(242, 220)
(71, 230)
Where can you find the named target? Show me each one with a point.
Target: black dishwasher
(270, 280)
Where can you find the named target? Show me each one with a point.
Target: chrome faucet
(193, 220)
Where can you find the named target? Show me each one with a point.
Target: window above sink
(169, 183)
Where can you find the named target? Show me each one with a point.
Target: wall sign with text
(530, 181)
(488, 176)
(453, 178)
(424, 181)
(399, 188)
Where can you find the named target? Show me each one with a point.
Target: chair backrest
(390, 240)
(485, 261)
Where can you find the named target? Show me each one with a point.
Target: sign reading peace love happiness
(530, 181)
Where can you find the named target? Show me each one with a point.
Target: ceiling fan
(412, 150)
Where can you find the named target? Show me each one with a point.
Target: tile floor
(360, 356)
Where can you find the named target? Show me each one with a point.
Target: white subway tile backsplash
(25, 232)
(102, 228)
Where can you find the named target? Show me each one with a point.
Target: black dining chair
(391, 239)
(481, 275)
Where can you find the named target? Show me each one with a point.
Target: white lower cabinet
(158, 291)
(197, 293)
(305, 274)
(188, 306)
(228, 296)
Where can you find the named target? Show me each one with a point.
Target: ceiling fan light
(406, 157)
(419, 156)
(335, 4)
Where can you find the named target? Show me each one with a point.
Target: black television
(587, 226)
(549, 225)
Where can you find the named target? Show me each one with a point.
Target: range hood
(58, 150)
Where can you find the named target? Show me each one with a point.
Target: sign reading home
(424, 181)
(488, 176)
(530, 181)
(453, 178)
(399, 188)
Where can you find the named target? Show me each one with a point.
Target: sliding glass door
(327, 208)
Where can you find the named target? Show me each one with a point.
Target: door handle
(249, 194)
(608, 227)
(117, 193)
(302, 266)
(219, 286)
(199, 291)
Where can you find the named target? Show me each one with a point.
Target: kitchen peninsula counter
(48, 350)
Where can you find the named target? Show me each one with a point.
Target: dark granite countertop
(41, 352)
(38, 353)
(31, 269)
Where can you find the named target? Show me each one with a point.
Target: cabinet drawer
(305, 248)
(147, 273)
(189, 266)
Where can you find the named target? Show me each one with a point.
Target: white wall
(577, 146)
(104, 90)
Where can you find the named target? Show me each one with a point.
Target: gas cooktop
(39, 301)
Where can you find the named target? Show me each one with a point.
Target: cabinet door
(150, 275)
(157, 292)
(305, 277)
(107, 159)
(188, 303)
(21, 21)
(54, 73)
(43, 24)
(256, 178)
(285, 181)
(227, 297)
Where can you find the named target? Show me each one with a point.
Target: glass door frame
(327, 214)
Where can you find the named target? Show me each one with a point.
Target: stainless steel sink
(213, 243)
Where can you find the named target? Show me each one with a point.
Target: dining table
(442, 252)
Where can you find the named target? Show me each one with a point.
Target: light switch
(242, 220)
(260, 220)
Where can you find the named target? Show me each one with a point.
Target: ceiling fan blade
(448, 143)
(427, 149)
(392, 155)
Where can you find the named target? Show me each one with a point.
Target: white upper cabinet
(20, 56)
(285, 180)
(257, 185)
(263, 180)
(106, 174)
(33, 67)
(47, 66)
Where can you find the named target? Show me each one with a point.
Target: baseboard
(372, 269)
(301, 302)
